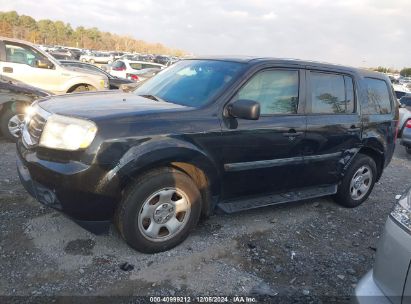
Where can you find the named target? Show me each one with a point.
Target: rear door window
(378, 97)
(331, 93)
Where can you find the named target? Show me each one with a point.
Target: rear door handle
(292, 133)
(7, 70)
(354, 129)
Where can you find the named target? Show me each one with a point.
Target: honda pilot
(204, 134)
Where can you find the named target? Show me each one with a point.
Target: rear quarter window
(378, 97)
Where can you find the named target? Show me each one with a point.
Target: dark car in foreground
(114, 82)
(226, 133)
(389, 282)
(15, 97)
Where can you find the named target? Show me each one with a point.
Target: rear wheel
(11, 124)
(158, 210)
(358, 182)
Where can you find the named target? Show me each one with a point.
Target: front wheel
(158, 210)
(358, 182)
(11, 124)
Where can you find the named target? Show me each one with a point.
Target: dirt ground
(311, 251)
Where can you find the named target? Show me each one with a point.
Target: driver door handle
(292, 133)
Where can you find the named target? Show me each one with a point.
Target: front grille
(34, 127)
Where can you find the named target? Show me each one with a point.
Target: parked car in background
(75, 53)
(22, 61)
(161, 59)
(406, 137)
(389, 282)
(61, 55)
(400, 90)
(15, 97)
(134, 70)
(116, 55)
(149, 73)
(97, 58)
(227, 133)
(405, 112)
(114, 81)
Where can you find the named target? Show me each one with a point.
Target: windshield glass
(192, 83)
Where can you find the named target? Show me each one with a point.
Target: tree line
(405, 72)
(49, 32)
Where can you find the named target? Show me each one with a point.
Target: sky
(365, 33)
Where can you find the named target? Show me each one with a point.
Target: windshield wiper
(152, 97)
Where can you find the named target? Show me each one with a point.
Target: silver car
(390, 279)
(406, 137)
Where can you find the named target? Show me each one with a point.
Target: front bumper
(367, 291)
(392, 264)
(71, 189)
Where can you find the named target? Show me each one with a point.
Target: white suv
(26, 63)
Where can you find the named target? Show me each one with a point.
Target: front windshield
(192, 83)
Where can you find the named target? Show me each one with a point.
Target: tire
(408, 150)
(10, 124)
(358, 182)
(151, 201)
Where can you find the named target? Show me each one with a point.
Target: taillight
(132, 77)
(408, 124)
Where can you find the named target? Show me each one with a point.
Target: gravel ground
(310, 251)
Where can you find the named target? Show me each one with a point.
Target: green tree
(405, 72)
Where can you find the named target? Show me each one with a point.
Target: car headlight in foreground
(67, 133)
(402, 211)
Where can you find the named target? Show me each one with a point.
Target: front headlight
(67, 133)
(402, 211)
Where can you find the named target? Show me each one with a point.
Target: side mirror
(44, 64)
(245, 109)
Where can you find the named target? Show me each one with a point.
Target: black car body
(14, 98)
(292, 152)
(114, 82)
(162, 59)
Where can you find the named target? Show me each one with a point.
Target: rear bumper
(75, 193)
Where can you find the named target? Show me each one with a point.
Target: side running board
(231, 206)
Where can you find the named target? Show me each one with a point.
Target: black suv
(216, 133)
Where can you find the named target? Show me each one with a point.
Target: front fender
(157, 153)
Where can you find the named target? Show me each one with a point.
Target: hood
(105, 104)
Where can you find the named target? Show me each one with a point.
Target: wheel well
(79, 85)
(196, 174)
(202, 182)
(377, 157)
